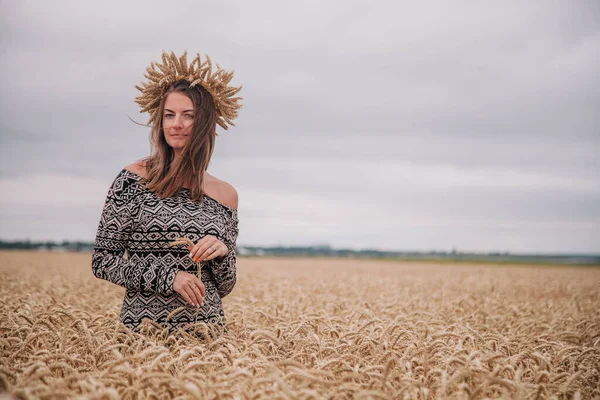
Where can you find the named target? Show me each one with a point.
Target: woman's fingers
(193, 295)
(198, 292)
(219, 250)
(207, 248)
(186, 296)
(200, 285)
(190, 287)
(199, 247)
(179, 285)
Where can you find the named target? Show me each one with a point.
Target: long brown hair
(167, 175)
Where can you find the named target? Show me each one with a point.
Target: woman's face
(178, 120)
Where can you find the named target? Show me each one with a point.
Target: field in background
(310, 328)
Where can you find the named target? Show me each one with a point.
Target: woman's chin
(177, 147)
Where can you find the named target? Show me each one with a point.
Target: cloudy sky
(390, 125)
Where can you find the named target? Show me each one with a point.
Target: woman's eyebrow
(166, 109)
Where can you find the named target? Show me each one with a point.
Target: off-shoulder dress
(137, 222)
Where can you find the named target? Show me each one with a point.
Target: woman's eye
(168, 115)
(189, 116)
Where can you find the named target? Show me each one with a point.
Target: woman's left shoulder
(225, 192)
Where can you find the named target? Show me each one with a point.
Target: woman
(168, 196)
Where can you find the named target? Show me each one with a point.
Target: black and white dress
(137, 221)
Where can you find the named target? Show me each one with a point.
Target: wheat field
(309, 329)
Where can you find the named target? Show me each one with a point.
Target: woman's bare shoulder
(138, 167)
(224, 192)
(230, 195)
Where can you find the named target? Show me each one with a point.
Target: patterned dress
(137, 221)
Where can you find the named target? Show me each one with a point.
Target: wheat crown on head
(172, 69)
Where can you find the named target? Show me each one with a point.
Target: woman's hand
(208, 248)
(190, 287)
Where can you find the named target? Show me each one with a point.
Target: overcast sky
(390, 125)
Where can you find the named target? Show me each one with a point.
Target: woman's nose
(178, 121)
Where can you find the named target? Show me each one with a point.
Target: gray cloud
(341, 99)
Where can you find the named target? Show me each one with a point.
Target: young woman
(169, 196)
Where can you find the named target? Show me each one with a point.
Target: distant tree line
(50, 246)
(434, 255)
(327, 251)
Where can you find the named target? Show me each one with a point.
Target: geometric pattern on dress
(136, 222)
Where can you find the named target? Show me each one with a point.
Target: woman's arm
(112, 236)
(224, 269)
